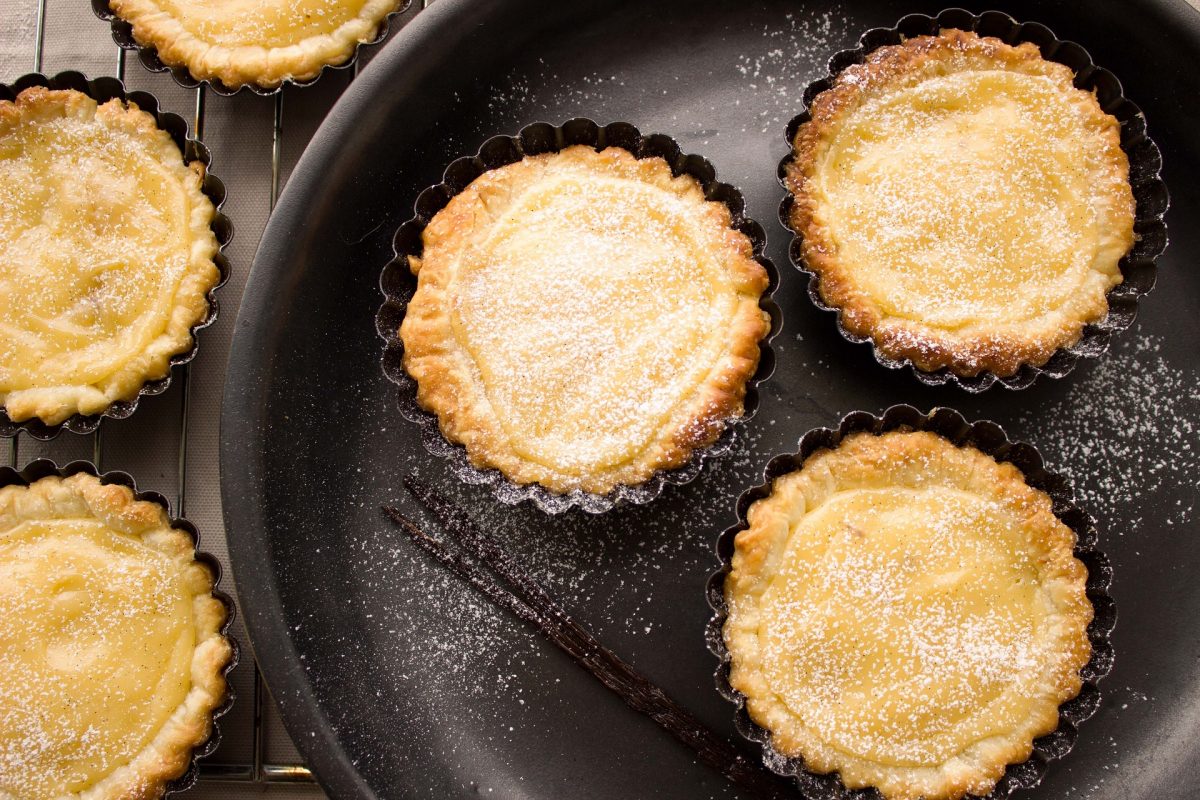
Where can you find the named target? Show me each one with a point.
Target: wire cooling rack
(258, 770)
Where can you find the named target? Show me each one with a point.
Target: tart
(112, 659)
(961, 203)
(254, 42)
(583, 319)
(106, 253)
(907, 613)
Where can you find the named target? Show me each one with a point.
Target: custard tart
(112, 659)
(254, 42)
(961, 203)
(106, 253)
(908, 613)
(583, 318)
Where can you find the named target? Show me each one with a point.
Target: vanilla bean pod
(539, 609)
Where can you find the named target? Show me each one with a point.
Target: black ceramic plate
(398, 682)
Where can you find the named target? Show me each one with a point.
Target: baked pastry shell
(44, 468)
(122, 34)
(102, 90)
(398, 285)
(989, 438)
(1151, 199)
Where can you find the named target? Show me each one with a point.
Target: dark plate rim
(245, 408)
(242, 414)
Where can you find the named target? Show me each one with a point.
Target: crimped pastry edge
(451, 392)
(163, 46)
(198, 157)
(990, 439)
(398, 287)
(928, 349)
(1138, 268)
(167, 765)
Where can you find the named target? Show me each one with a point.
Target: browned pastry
(111, 654)
(964, 205)
(106, 253)
(907, 613)
(583, 319)
(257, 42)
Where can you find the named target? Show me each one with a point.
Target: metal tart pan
(102, 90)
(44, 468)
(1138, 266)
(991, 439)
(398, 285)
(122, 34)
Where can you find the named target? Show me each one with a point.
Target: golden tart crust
(963, 205)
(908, 613)
(106, 253)
(254, 42)
(111, 654)
(583, 319)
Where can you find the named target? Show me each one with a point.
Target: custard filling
(96, 644)
(900, 621)
(106, 253)
(261, 23)
(586, 348)
(965, 200)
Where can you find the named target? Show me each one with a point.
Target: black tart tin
(1145, 163)
(44, 468)
(398, 285)
(122, 34)
(102, 90)
(989, 438)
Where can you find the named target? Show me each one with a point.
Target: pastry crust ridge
(915, 461)
(448, 380)
(169, 752)
(984, 346)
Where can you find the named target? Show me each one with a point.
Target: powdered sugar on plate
(772, 76)
(1127, 434)
(770, 73)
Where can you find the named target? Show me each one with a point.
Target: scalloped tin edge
(42, 468)
(1145, 164)
(991, 439)
(103, 89)
(398, 285)
(122, 34)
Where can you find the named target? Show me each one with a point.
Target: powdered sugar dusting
(1127, 433)
(775, 77)
(603, 290)
(90, 666)
(902, 622)
(918, 190)
(770, 68)
(465, 690)
(97, 223)
(448, 654)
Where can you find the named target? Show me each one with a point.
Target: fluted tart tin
(398, 286)
(990, 439)
(1137, 267)
(44, 468)
(102, 90)
(122, 34)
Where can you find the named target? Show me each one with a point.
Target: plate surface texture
(395, 680)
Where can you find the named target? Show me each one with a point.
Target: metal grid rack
(258, 770)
